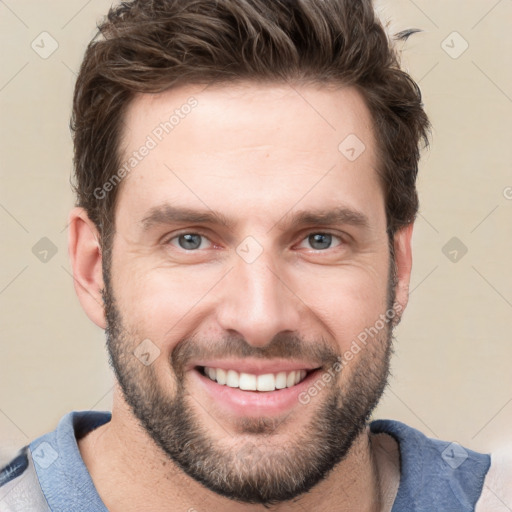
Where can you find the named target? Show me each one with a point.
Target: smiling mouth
(251, 382)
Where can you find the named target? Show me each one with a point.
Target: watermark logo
(44, 250)
(351, 147)
(146, 352)
(45, 455)
(454, 249)
(44, 45)
(454, 455)
(249, 454)
(249, 249)
(454, 45)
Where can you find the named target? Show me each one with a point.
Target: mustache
(282, 346)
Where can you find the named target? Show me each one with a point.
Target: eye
(189, 241)
(321, 241)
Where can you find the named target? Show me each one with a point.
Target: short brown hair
(148, 46)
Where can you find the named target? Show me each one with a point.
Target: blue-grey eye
(189, 241)
(320, 240)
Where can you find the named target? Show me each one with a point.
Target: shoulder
(15, 468)
(435, 474)
(19, 485)
(497, 489)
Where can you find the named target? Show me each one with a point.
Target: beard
(258, 464)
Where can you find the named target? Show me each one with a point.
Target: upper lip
(255, 366)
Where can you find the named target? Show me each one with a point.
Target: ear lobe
(403, 260)
(86, 261)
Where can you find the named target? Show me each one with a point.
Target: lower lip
(255, 403)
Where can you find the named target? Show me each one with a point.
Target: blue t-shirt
(50, 475)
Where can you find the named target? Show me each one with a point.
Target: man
(245, 174)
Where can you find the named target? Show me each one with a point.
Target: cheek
(166, 304)
(162, 303)
(347, 300)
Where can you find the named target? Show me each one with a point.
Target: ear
(403, 260)
(86, 261)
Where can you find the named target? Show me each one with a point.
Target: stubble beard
(248, 466)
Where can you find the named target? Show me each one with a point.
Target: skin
(257, 154)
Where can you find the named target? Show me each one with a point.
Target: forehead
(255, 112)
(258, 143)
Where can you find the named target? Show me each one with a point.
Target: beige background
(452, 376)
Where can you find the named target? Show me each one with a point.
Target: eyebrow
(339, 215)
(168, 214)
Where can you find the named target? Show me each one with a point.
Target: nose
(257, 302)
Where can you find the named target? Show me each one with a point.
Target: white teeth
(281, 380)
(221, 376)
(247, 382)
(232, 379)
(290, 380)
(266, 382)
(250, 382)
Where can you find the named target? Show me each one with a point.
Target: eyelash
(333, 235)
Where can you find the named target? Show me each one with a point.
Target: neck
(130, 472)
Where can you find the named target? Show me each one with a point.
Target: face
(249, 263)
